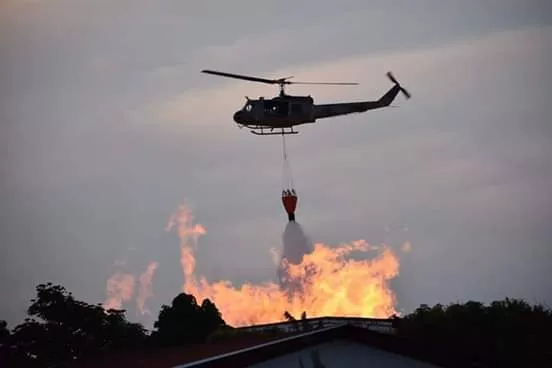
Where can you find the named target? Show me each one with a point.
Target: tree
(29, 345)
(510, 331)
(5, 335)
(186, 322)
(4, 332)
(212, 318)
(62, 329)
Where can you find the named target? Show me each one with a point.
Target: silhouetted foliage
(4, 333)
(509, 330)
(186, 322)
(4, 341)
(64, 330)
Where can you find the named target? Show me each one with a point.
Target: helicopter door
(276, 108)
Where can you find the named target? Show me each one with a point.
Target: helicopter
(286, 111)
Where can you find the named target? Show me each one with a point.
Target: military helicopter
(286, 111)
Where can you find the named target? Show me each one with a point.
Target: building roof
(172, 356)
(246, 350)
(384, 325)
(355, 330)
(258, 352)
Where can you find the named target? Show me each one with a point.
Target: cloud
(349, 29)
(432, 74)
(448, 161)
(441, 81)
(105, 135)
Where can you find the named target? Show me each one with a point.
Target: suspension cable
(287, 179)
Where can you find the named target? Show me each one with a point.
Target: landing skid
(282, 132)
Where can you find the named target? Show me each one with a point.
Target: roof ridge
(258, 346)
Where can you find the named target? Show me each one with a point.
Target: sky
(107, 126)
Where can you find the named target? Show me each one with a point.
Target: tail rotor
(394, 80)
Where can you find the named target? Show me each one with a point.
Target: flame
(331, 284)
(120, 288)
(146, 288)
(183, 219)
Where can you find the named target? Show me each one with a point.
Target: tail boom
(329, 110)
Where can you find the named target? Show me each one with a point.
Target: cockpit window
(248, 107)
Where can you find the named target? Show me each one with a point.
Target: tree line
(61, 330)
(509, 331)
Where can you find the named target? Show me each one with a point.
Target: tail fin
(387, 98)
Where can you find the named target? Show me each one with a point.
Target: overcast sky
(107, 125)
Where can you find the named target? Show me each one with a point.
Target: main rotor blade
(326, 83)
(244, 77)
(271, 81)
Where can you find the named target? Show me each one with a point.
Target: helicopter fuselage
(285, 111)
(278, 112)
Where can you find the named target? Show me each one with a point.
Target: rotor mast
(282, 84)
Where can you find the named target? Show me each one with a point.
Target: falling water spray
(296, 244)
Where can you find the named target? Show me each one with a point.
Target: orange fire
(120, 288)
(332, 285)
(145, 291)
